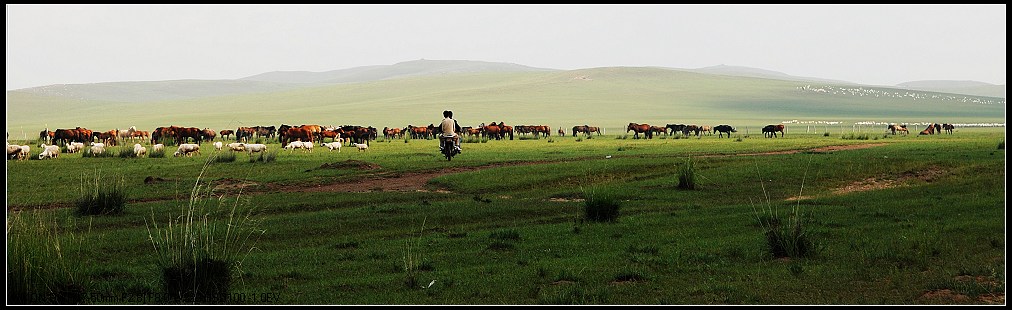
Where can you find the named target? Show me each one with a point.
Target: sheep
(294, 145)
(25, 150)
(217, 146)
(49, 151)
(308, 146)
(187, 149)
(236, 147)
(97, 149)
(333, 145)
(255, 148)
(101, 145)
(74, 147)
(157, 147)
(140, 150)
(13, 151)
(361, 146)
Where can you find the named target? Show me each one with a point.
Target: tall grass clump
(224, 157)
(264, 157)
(43, 263)
(157, 154)
(687, 175)
(87, 153)
(600, 207)
(126, 153)
(101, 197)
(199, 251)
(785, 236)
(412, 260)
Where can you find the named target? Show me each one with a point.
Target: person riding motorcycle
(450, 129)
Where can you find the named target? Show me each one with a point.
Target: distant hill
(609, 97)
(149, 91)
(957, 87)
(399, 70)
(761, 73)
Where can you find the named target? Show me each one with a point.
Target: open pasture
(892, 219)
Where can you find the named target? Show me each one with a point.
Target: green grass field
(890, 220)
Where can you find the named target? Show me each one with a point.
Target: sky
(867, 44)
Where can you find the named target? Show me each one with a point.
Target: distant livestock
(361, 146)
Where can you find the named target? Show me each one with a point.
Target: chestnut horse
(640, 128)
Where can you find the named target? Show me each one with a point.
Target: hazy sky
(869, 44)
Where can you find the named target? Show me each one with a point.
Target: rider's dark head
(448, 114)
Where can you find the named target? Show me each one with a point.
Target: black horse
(721, 129)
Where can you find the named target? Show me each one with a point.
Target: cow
(721, 129)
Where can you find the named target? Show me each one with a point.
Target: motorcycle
(448, 148)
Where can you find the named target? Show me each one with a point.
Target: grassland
(894, 220)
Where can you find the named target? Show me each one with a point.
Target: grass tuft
(687, 175)
(200, 250)
(103, 198)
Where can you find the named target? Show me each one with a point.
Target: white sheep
(140, 150)
(74, 147)
(25, 150)
(255, 148)
(361, 146)
(236, 147)
(333, 145)
(294, 145)
(157, 147)
(49, 151)
(187, 149)
(97, 149)
(217, 145)
(102, 145)
(13, 151)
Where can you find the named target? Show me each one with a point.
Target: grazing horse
(586, 130)
(895, 128)
(562, 133)
(928, 131)
(675, 128)
(707, 129)
(46, 136)
(938, 128)
(770, 131)
(721, 129)
(691, 128)
(640, 128)
(659, 130)
(225, 133)
(948, 128)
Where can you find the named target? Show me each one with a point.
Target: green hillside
(610, 97)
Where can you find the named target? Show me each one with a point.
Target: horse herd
(930, 130)
(363, 134)
(670, 129)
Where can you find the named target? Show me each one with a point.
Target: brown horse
(948, 128)
(928, 131)
(895, 128)
(586, 130)
(640, 128)
(770, 131)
